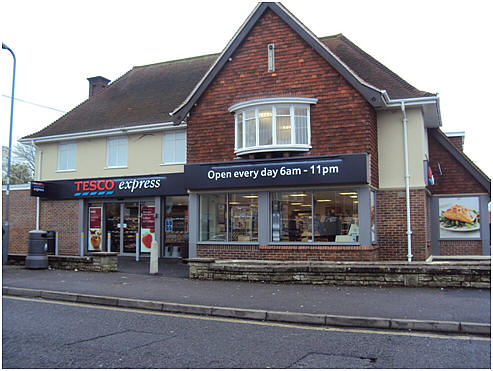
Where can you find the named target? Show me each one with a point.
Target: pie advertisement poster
(147, 231)
(95, 228)
(459, 217)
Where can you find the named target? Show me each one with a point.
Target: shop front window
(292, 216)
(176, 226)
(319, 216)
(229, 217)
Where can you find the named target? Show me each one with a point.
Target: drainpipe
(406, 176)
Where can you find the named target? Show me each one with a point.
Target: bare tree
(25, 154)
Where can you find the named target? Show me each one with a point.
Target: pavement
(461, 310)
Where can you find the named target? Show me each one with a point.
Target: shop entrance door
(122, 227)
(130, 227)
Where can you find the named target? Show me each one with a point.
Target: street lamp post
(5, 234)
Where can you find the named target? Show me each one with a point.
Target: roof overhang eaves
(476, 173)
(369, 92)
(123, 130)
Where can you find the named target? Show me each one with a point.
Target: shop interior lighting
(265, 114)
(353, 196)
(323, 200)
(348, 193)
(298, 194)
(250, 196)
(297, 203)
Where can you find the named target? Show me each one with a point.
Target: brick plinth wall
(392, 225)
(22, 219)
(461, 247)
(62, 216)
(342, 121)
(289, 252)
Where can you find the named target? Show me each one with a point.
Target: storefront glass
(230, 217)
(320, 216)
(176, 226)
(292, 216)
(130, 227)
(112, 211)
(243, 216)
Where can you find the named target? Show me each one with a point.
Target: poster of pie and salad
(459, 217)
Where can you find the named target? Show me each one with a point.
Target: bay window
(274, 124)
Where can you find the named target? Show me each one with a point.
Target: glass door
(113, 224)
(130, 227)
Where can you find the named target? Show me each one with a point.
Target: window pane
(243, 217)
(117, 151)
(250, 128)
(169, 148)
(336, 216)
(283, 129)
(265, 126)
(181, 149)
(282, 110)
(239, 130)
(66, 156)
(213, 217)
(174, 147)
(301, 126)
(292, 216)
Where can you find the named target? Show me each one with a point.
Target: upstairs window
(274, 124)
(116, 152)
(174, 147)
(66, 156)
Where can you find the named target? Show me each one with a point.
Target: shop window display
(229, 217)
(175, 226)
(320, 216)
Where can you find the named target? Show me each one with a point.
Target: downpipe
(406, 177)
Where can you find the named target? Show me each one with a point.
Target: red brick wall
(22, 219)
(341, 122)
(392, 225)
(62, 216)
(455, 179)
(289, 252)
(462, 247)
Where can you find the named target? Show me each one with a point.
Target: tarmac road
(41, 334)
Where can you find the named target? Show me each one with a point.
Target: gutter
(103, 133)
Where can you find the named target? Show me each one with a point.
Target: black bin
(36, 251)
(50, 241)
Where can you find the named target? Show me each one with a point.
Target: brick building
(283, 146)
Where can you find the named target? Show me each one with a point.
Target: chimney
(97, 84)
(457, 139)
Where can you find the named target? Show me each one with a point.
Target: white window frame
(271, 103)
(119, 142)
(71, 149)
(173, 133)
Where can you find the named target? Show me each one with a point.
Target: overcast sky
(438, 46)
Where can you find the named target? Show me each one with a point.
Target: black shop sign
(344, 169)
(109, 187)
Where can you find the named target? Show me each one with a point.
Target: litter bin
(50, 241)
(36, 250)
